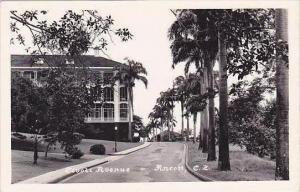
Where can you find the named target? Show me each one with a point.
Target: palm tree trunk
(211, 112)
(162, 131)
(187, 128)
(130, 113)
(282, 95)
(182, 118)
(204, 116)
(201, 132)
(169, 134)
(205, 131)
(172, 135)
(224, 163)
(194, 132)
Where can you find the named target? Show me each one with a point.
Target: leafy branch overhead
(249, 36)
(73, 34)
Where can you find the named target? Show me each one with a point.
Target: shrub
(69, 140)
(136, 139)
(98, 149)
(77, 154)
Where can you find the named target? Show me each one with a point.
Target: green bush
(252, 119)
(136, 139)
(77, 154)
(69, 140)
(98, 149)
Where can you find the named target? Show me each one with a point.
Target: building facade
(107, 120)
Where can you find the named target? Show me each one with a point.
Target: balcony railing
(124, 119)
(104, 119)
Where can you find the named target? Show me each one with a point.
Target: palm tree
(180, 94)
(224, 163)
(127, 74)
(195, 104)
(152, 125)
(211, 105)
(157, 115)
(166, 102)
(282, 119)
(193, 88)
(204, 126)
(194, 41)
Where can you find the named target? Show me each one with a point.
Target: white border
(245, 186)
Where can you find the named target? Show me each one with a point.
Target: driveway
(160, 162)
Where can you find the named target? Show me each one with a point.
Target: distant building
(100, 124)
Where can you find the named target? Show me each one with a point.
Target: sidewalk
(58, 175)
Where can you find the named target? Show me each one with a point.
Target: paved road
(160, 162)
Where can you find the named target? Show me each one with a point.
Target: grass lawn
(22, 167)
(244, 166)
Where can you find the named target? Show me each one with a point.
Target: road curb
(128, 151)
(61, 174)
(196, 174)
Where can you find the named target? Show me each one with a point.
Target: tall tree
(195, 104)
(246, 34)
(194, 101)
(158, 117)
(29, 110)
(128, 74)
(179, 87)
(193, 42)
(167, 100)
(211, 105)
(282, 85)
(224, 163)
(204, 124)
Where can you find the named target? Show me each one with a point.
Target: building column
(117, 102)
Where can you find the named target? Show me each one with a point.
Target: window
(42, 75)
(108, 94)
(29, 74)
(123, 111)
(108, 110)
(96, 92)
(123, 94)
(97, 110)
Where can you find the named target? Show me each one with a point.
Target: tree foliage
(28, 104)
(251, 117)
(73, 34)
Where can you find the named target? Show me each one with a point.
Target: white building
(105, 117)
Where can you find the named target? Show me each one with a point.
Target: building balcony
(104, 119)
